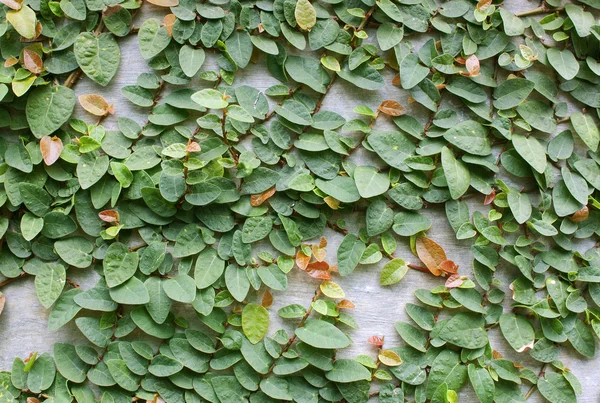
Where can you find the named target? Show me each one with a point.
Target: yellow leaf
(332, 290)
(305, 14)
(390, 358)
(23, 21)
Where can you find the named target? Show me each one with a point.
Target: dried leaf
(109, 216)
(333, 204)
(267, 299)
(396, 80)
(454, 281)
(319, 270)
(258, 199)
(472, 65)
(431, 254)
(168, 22)
(12, 4)
(376, 341)
(95, 104)
(302, 260)
(11, 61)
(193, 147)
(2, 302)
(345, 304)
(32, 61)
(391, 108)
(581, 215)
(489, 199)
(483, 4)
(449, 267)
(51, 147)
(389, 358)
(322, 242)
(318, 253)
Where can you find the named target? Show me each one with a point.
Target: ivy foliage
(225, 189)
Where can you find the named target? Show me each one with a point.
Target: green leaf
(346, 371)
(470, 136)
(465, 329)
(75, 251)
(519, 205)
(349, 254)
(379, 217)
(411, 72)
(237, 282)
(255, 322)
(152, 38)
(119, 264)
(364, 76)
(48, 108)
(91, 168)
(191, 60)
(586, 129)
(209, 268)
(31, 226)
(456, 172)
(531, 150)
(321, 334)
(306, 70)
(49, 283)
(563, 62)
(98, 56)
(181, 288)
(556, 389)
(69, 364)
(511, 93)
(518, 331)
(42, 374)
(370, 182)
(239, 47)
(341, 188)
(393, 272)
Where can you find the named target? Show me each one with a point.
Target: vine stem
(533, 387)
(419, 268)
(10, 280)
(302, 322)
(538, 10)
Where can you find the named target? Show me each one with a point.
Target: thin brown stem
(539, 10)
(10, 280)
(419, 268)
(533, 387)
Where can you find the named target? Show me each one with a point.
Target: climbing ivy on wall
(225, 189)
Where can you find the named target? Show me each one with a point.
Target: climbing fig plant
(188, 223)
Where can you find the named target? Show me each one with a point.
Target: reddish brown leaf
(376, 341)
(168, 22)
(320, 274)
(449, 267)
(2, 302)
(396, 79)
(483, 4)
(95, 104)
(489, 198)
(302, 260)
(32, 400)
(267, 299)
(193, 147)
(12, 4)
(581, 215)
(391, 108)
(32, 61)
(345, 304)
(257, 200)
(431, 254)
(109, 216)
(51, 147)
(318, 266)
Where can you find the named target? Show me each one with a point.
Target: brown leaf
(302, 260)
(472, 65)
(267, 299)
(164, 3)
(376, 341)
(95, 104)
(2, 302)
(396, 79)
(489, 199)
(193, 147)
(109, 216)
(391, 108)
(345, 304)
(11, 61)
(454, 281)
(32, 61)
(51, 147)
(496, 355)
(257, 200)
(449, 267)
(431, 254)
(32, 400)
(109, 11)
(12, 4)
(581, 215)
(319, 270)
(168, 22)
(483, 4)
(322, 242)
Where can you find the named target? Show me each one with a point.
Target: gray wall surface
(23, 324)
